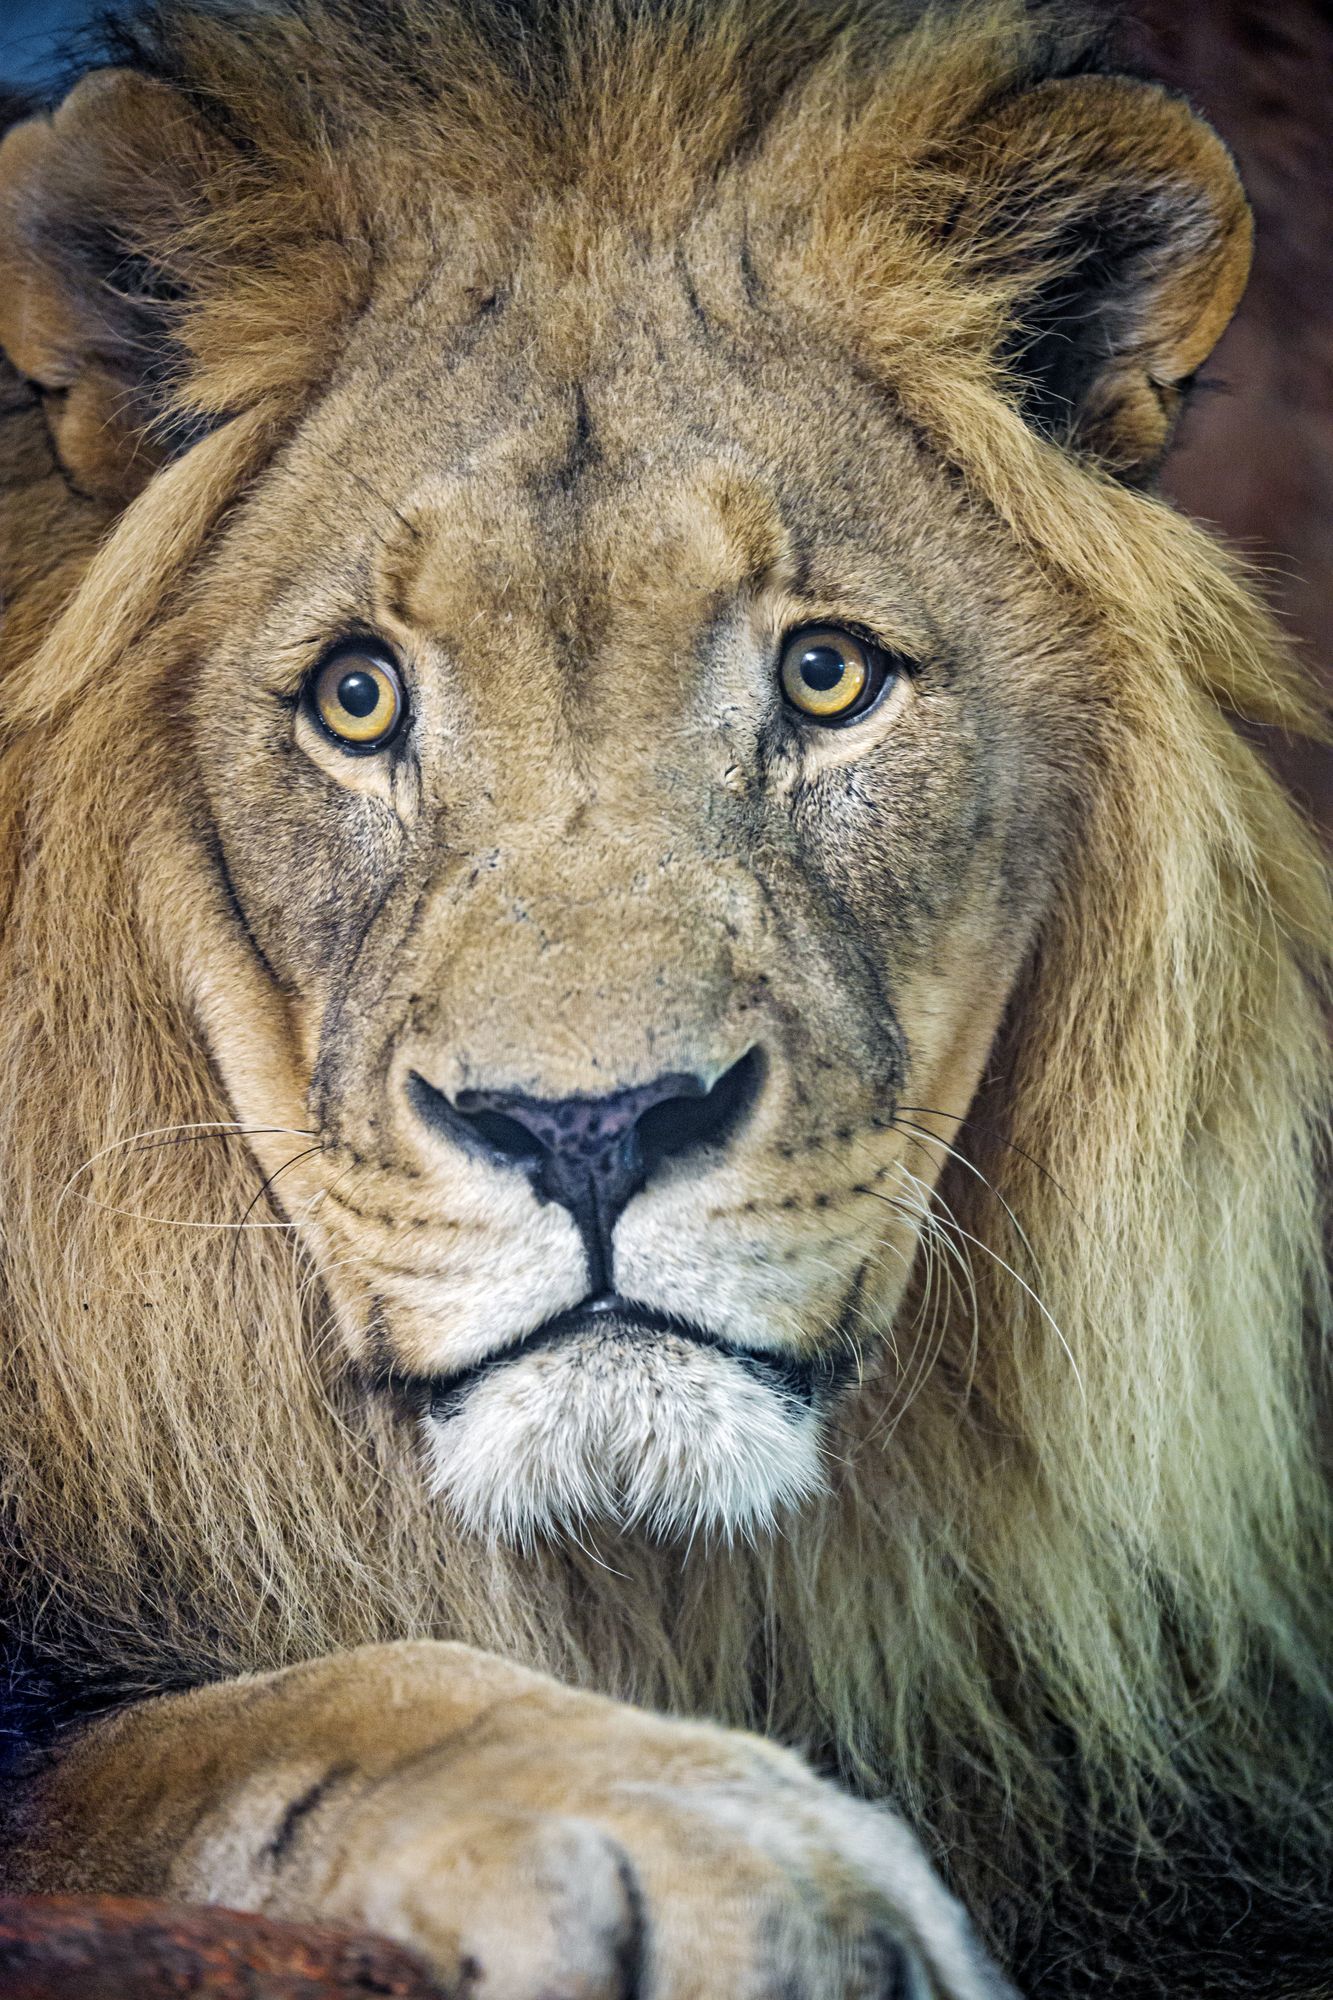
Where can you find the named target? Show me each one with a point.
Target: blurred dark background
(1255, 457)
(29, 31)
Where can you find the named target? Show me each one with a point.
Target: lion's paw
(727, 1872)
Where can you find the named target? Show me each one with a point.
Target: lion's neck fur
(1091, 1553)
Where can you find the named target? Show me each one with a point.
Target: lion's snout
(593, 1154)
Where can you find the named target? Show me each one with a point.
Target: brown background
(1255, 455)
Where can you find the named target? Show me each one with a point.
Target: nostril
(680, 1124)
(477, 1127)
(594, 1152)
(499, 1134)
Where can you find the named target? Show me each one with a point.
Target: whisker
(176, 1221)
(951, 1222)
(939, 1231)
(920, 1135)
(204, 1128)
(239, 1132)
(1011, 1145)
(190, 1222)
(929, 1348)
(264, 1187)
(940, 1273)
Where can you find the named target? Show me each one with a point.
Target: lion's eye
(358, 696)
(831, 675)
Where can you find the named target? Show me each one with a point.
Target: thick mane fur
(1082, 1575)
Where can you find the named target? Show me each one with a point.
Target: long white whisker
(219, 1127)
(919, 1135)
(951, 1222)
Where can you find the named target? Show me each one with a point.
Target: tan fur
(1070, 1572)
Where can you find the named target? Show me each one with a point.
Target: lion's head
(632, 900)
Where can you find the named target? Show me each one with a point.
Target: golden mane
(1090, 1559)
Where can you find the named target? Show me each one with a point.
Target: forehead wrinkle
(750, 521)
(573, 459)
(697, 533)
(829, 560)
(479, 584)
(573, 523)
(467, 555)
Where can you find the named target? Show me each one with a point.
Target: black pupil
(359, 693)
(822, 668)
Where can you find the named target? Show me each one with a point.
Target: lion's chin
(635, 1428)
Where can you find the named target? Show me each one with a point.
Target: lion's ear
(1114, 219)
(86, 313)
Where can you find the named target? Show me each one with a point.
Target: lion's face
(628, 748)
(624, 996)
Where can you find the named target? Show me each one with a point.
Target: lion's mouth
(803, 1380)
(618, 1413)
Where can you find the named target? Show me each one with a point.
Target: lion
(663, 1048)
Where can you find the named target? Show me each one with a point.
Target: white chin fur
(654, 1432)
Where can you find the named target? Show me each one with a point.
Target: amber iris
(358, 696)
(831, 675)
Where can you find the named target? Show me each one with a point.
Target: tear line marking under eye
(213, 847)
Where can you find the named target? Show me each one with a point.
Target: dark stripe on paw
(298, 1812)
